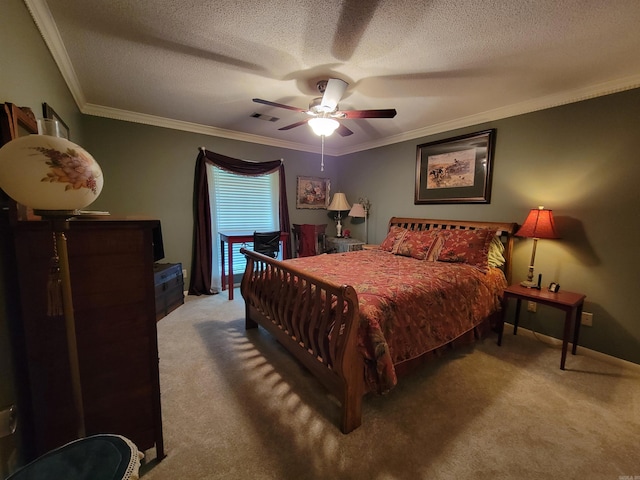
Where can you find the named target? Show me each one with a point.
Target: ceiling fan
(323, 111)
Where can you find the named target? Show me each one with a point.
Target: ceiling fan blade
(294, 125)
(333, 93)
(279, 105)
(384, 113)
(343, 131)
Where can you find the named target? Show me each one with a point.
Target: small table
(238, 237)
(343, 244)
(570, 302)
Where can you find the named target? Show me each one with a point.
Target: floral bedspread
(408, 306)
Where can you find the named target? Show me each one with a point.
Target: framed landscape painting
(312, 192)
(455, 170)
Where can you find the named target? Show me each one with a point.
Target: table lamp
(339, 204)
(56, 178)
(538, 224)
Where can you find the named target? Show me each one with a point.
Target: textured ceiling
(442, 64)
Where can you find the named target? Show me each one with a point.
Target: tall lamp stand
(59, 288)
(56, 178)
(366, 205)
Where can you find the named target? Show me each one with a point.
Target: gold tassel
(54, 285)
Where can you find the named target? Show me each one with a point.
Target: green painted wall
(149, 171)
(581, 160)
(28, 77)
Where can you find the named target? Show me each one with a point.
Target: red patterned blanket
(407, 306)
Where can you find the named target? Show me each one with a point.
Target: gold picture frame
(313, 192)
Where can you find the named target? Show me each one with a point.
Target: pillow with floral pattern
(417, 243)
(390, 244)
(467, 246)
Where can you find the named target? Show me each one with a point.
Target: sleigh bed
(359, 319)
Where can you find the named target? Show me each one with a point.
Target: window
(240, 203)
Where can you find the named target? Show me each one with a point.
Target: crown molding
(49, 31)
(529, 106)
(128, 116)
(51, 35)
(521, 108)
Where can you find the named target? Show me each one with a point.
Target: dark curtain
(201, 271)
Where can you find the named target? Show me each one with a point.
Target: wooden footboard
(317, 321)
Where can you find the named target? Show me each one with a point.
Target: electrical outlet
(532, 307)
(586, 319)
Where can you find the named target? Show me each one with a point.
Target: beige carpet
(237, 406)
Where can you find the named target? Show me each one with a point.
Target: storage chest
(169, 285)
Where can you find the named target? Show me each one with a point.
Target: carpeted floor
(237, 406)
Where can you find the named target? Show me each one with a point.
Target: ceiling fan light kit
(326, 110)
(323, 126)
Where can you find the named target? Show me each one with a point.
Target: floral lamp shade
(49, 173)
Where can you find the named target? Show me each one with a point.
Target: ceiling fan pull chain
(322, 158)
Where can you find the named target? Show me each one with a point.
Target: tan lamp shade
(49, 173)
(339, 203)
(357, 210)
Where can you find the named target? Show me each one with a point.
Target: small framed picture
(312, 192)
(554, 287)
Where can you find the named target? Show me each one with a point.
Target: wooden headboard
(505, 230)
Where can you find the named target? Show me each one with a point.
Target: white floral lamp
(56, 178)
(49, 173)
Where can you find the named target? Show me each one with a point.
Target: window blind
(244, 204)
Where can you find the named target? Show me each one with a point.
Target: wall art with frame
(313, 192)
(455, 170)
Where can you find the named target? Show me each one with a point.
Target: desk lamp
(538, 224)
(339, 204)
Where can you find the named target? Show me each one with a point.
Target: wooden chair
(308, 239)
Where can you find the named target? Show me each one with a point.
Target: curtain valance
(201, 265)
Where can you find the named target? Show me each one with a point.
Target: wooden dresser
(112, 277)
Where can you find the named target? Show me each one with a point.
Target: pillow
(434, 252)
(390, 244)
(495, 256)
(417, 243)
(467, 246)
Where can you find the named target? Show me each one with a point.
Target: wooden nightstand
(341, 244)
(571, 303)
